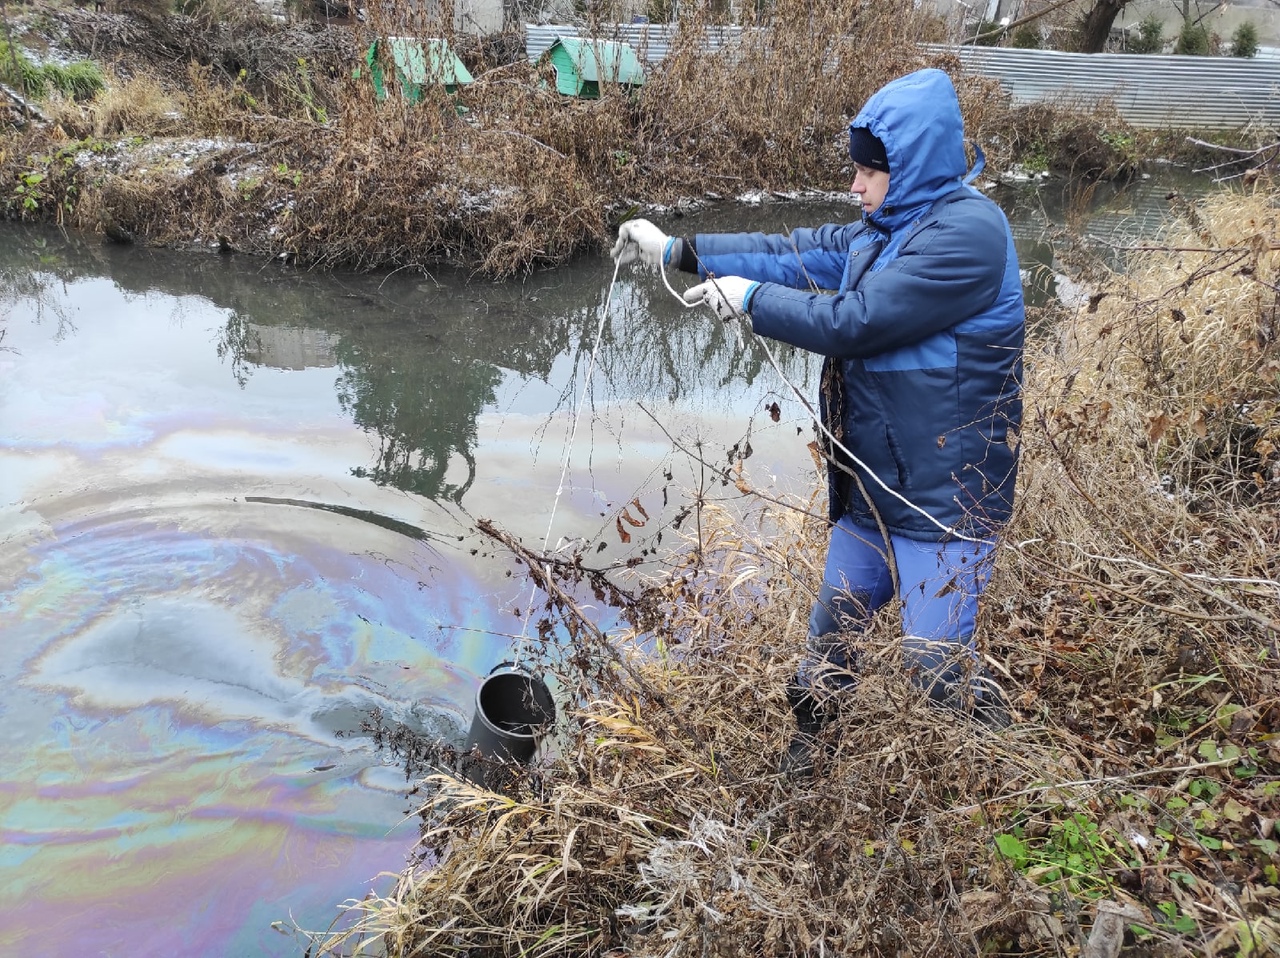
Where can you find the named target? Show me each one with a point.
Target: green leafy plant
(304, 91)
(1150, 38)
(1075, 853)
(1175, 919)
(28, 190)
(293, 176)
(1193, 40)
(1036, 159)
(1244, 42)
(240, 94)
(48, 183)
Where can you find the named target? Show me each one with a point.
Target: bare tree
(1095, 25)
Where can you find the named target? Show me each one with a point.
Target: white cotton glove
(728, 296)
(641, 240)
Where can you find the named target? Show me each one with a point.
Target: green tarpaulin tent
(418, 64)
(582, 65)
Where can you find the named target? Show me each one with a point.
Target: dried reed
(502, 176)
(1133, 617)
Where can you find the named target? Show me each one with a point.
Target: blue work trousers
(939, 584)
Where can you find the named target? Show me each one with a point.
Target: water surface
(237, 509)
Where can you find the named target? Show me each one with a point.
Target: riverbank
(225, 129)
(1131, 619)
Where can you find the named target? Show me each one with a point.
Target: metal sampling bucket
(513, 708)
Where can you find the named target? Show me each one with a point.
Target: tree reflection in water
(421, 361)
(422, 414)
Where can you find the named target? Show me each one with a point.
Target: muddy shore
(267, 137)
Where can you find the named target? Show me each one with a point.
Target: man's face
(871, 185)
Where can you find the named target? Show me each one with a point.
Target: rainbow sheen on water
(181, 733)
(192, 650)
(237, 514)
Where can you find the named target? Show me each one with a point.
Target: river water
(237, 509)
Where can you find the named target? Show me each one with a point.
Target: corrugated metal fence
(651, 40)
(1150, 90)
(1204, 93)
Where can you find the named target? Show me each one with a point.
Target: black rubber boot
(975, 695)
(990, 707)
(797, 760)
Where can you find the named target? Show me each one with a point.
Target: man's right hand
(640, 240)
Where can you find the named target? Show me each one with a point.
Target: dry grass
(138, 106)
(1151, 446)
(505, 176)
(1134, 617)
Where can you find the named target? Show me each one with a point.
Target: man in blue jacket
(921, 389)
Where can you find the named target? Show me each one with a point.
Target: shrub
(1150, 38)
(1244, 42)
(987, 33)
(659, 11)
(1193, 40)
(1027, 38)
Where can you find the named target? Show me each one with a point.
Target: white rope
(773, 361)
(817, 419)
(568, 452)
(662, 271)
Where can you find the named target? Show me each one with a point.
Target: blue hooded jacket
(923, 335)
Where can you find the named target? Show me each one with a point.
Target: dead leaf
(816, 452)
(1108, 929)
(1157, 426)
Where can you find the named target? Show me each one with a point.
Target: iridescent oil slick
(187, 675)
(237, 512)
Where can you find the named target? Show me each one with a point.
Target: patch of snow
(253, 172)
(188, 150)
(1071, 294)
(1020, 174)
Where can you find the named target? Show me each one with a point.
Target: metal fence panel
(652, 41)
(1150, 90)
(1155, 90)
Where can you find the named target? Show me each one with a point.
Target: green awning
(428, 61)
(417, 64)
(582, 65)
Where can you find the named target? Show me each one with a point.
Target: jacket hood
(917, 117)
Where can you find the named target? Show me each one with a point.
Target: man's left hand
(728, 296)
